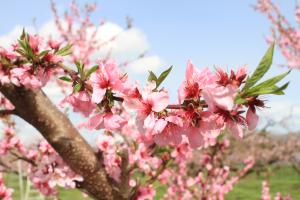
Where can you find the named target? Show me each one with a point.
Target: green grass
(284, 180)
(12, 181)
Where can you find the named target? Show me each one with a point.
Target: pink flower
(33, 81)
(34, 42)
(54, 44)
(146, 193)
(105, 142)
(112, 164)
(26, 78)
(146, 101)
(5, 193)
(194, 82)
(50, 57)
(169, 131)
(235, 122)
(9, 54)
(108, 76)
(143, 158)
(182, 151)
(6, 103)
(108, 121)
(265, 191)
(201, 127)
(80, 101)
(220, 97)
(222, 94)
(251, 119)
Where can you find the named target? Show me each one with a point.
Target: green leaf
(23, 34)
(66, 50)
(77, 88)
(163, 76)
(262, 68)
(80, 69)
(240, 100)
(268, 83)
(92, 70)
(23, 44)
(78, 65)
(152, 76)
(279, 91)
(270, 90)
(26, 48)
(43, 53)
(65, 78)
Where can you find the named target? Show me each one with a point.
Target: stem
(27, 189)
(20, 179)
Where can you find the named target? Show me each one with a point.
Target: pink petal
(133, 104)
(195, 138)
(98, 94)
(113, 122)
(175, 120)
(95, 122)
(235, 128)
(190, 70)
(252, 119)
(219, 96)
(159, 126)
(159, 101)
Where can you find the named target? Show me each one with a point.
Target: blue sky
(223, 33)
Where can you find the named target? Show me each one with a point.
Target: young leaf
(23, 35)
(152, 76)
(22, 43)
(26, 48)
(43, 53)
(77, 88)
(80, 69)
(269, 90)
(163, 76)
(279, 91)
(262, 68)
(66, 50)
(240, 100)
(92, 70)
(268, 83)
(65, 78)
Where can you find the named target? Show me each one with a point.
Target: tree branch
(36, 108)
(6, 112)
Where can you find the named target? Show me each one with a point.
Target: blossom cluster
(30, 62)
(50, 171)
(205, 177)
(207, 105)
(5, 193)
(284, 33)
(45, 168)
(265, 195)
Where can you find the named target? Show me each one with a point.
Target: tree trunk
(36, 108)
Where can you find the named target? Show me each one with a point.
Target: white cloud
(144, 64)
(127, 46)
(11, 37)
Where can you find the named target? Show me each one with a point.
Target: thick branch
(38, 110)
(6, 112)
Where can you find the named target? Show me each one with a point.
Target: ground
(284, 180)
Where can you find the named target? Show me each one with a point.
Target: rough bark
(36, 108)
